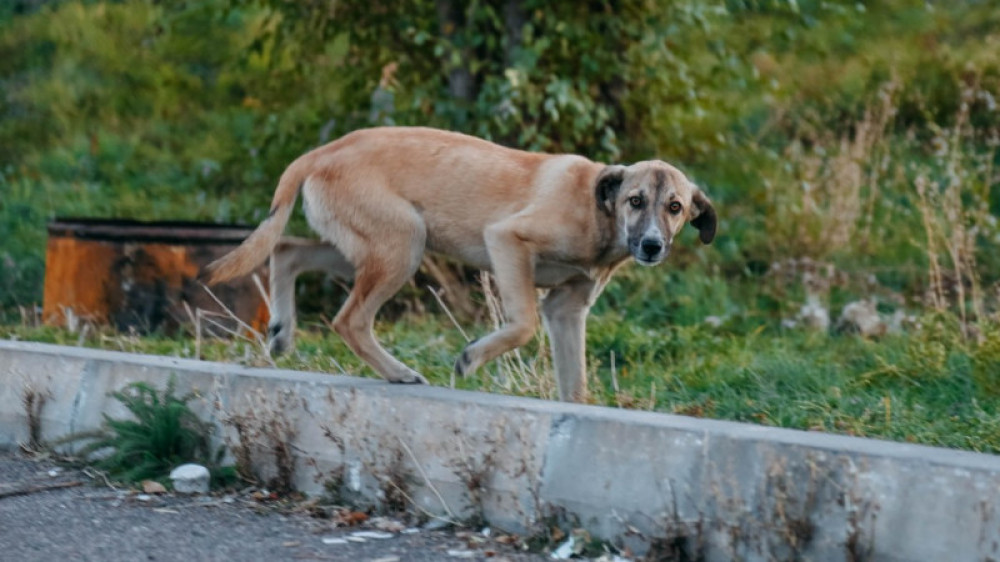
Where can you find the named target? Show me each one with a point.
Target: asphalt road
(50, 513)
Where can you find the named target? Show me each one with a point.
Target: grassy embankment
(865, 167)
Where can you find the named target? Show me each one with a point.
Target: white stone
(813, 315)
(190, 479)
(862, 317)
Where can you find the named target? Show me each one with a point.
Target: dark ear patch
(703, 218)
(607, 185)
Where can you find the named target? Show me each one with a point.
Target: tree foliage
(190, 110)
(590, 77)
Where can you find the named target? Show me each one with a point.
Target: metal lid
(164, 232)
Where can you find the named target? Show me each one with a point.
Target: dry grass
(33, 400)
(828, 203)
(953, 197)
(519, 371)
(263, 429)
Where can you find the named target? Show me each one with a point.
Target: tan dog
(380, 198)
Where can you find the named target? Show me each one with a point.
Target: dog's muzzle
(651, 251)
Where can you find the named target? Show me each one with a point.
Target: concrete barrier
(716, 490)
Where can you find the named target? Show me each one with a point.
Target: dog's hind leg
(291, 258)
(382, 270)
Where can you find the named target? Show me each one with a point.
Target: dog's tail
(261, 242)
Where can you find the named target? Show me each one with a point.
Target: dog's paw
(278, 340)
(464, 364)
(418, 379)
(410, 377)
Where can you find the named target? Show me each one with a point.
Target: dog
(379, 198)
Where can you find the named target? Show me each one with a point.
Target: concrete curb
(719, 489)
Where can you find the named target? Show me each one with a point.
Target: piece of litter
(473, 540)
(485, 532)
(435, 524)
(144, 497)
(386, 524)
(462, 553)
(410, 531)
(372, 534)
(55, 472)
(565, 550)
(164, 510)
(357, 539)
(334, 540)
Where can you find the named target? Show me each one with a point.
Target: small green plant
(165, 433)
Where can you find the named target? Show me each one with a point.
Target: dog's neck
(611, 248)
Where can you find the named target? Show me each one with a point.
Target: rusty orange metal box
(138, 275)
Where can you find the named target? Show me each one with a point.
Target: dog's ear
(703, 217)
(607, 185)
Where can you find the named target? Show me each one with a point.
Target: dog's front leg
(564, 311)
(513, 267)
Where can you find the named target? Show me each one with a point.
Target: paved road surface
(91, 522)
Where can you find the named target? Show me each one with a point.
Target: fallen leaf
(350, 518)
(153, 487)
(506, 539)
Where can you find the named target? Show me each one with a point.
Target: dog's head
(651, 201)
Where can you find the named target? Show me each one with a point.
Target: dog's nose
(651, 247)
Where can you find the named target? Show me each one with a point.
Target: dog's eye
(674, 208)
(635, 201)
